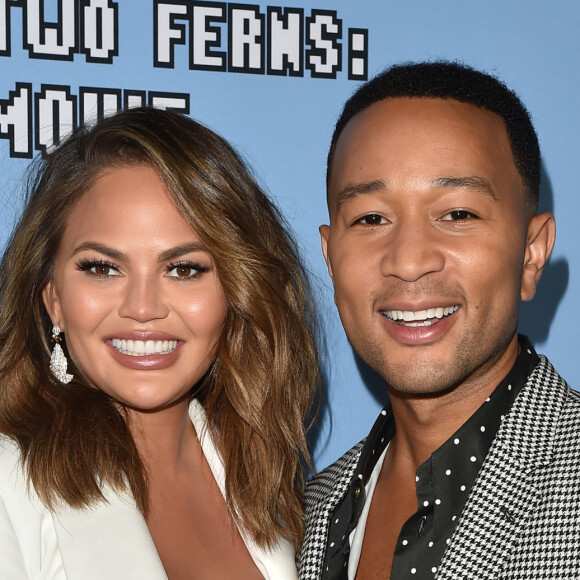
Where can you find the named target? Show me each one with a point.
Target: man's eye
(372, 219)
(458, 215)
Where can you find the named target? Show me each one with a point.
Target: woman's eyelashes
(183, 270)
(186, 270)
(99, 268)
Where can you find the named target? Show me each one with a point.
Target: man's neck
(424, 423)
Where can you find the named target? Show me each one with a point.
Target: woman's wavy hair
(260, 388)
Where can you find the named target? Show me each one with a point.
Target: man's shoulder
(572, 405)
(545, 418)
(568, 431)
(324, 492)
(554, 390)
(334, 479)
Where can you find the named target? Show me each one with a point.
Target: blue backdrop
(271, 79)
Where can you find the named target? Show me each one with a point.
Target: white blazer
(107, 541)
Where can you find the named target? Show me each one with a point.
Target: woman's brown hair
(258, 392)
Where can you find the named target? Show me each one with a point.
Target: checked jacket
(522, 517)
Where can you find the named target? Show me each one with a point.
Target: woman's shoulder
(10, 455)
(12, 477)
(18, 500)
(29, 543)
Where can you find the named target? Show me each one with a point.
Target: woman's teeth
(419, 317)
(143, 347)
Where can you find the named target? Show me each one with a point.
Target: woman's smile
(143, 347)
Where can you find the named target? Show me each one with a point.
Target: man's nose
(412, 250)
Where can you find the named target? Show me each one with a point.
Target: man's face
(427, 242)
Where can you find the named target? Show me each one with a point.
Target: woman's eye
(99, 269)
(186, 271)
(372, 219)
(458, 215)
(103, 270)
(182, 272)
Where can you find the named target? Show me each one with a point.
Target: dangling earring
(58, 362)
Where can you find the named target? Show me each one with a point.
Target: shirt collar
(489, 415)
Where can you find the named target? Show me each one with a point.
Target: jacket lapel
(110, 540)
(324, 492)
(505, 493)
(276, 563)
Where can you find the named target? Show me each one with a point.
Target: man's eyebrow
(469, 182)
(354, 190)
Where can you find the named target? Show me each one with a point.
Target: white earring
(58, 362)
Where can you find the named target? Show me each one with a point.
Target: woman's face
(135, 292)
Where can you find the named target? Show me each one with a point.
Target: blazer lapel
(277, 563)
(110, 540)
(324, 493)
(505, 493)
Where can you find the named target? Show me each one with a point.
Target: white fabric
(108, 541)
(357, 535)
(276, 564)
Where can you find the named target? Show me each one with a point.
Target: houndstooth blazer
(522, 517)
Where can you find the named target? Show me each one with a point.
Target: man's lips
(416, 318)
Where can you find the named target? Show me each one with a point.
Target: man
(471, 470)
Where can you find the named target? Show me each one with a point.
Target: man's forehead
(419, 134)
(415, 107)
(387, 116)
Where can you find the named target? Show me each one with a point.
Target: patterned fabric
(522, 518)
(323, 493)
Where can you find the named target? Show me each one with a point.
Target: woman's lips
(147, 354)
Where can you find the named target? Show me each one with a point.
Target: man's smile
(419, 317)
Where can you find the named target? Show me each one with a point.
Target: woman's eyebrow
(178, 251)
(169, 254)
(101, 248)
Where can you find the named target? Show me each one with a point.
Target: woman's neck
(165, 438)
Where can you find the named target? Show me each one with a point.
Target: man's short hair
(453, 80)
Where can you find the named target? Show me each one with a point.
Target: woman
(163, 435)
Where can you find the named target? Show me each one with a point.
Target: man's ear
(324, 233)
(539, 244)
(52, 304)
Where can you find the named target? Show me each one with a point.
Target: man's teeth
(419, 317)
(143, 347)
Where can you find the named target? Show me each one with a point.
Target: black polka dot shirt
(443, 483)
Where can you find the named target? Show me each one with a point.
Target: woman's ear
(52, 304)
(539, 244)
